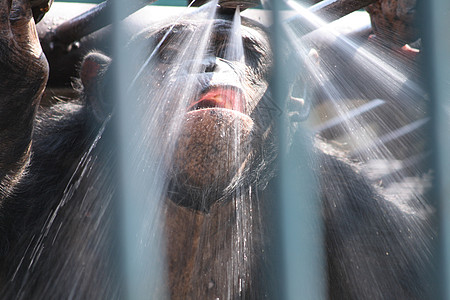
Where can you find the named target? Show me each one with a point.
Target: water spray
(100, 16)
(328, 11)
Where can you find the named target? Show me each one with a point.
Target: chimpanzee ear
(93, 68)
(92, 75)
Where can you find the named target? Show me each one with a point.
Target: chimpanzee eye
(168, 55)
(220, 50)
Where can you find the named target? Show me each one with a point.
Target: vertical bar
(119, 94)
(141, 224)
(300, 230)
(437, 60)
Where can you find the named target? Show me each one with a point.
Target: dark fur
(58, 226)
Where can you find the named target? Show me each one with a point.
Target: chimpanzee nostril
(209, 64)
(211, 67)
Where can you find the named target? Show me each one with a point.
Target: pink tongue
(220, 97)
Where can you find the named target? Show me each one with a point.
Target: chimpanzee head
(218, 88)
(205, 85)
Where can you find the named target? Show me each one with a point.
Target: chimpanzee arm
(375, 248)
(23, 76)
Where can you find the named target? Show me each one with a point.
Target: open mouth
(220, 97)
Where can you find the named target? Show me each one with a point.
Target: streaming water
(153, 110)
(362, 107)
(171, 63)
(368, 103)
(242, 231)
(353, 75)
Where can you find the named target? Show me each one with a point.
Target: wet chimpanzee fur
(58, 185)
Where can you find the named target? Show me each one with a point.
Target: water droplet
(211, 284)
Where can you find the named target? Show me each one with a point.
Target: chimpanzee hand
(23, 66)
(23, 76)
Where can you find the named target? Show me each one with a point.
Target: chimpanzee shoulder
(57, 134)
(374, 245)
(41, 218)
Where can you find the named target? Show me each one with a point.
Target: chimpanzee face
(214, 63)
(214, 82)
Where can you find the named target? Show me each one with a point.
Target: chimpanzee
(58, 178)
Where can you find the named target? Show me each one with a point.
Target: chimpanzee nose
(217, 65)
(209, 64)
(210, 68)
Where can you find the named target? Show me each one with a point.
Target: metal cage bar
(299, 222)
(436, 25)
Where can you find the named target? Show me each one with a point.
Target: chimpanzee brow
(219, 39)
(177, 30)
